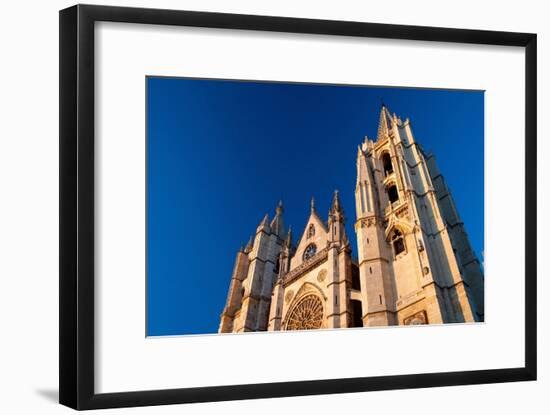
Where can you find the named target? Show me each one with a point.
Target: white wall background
(29, 206)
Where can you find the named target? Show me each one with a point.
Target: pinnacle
(249, 245)
(265, 220)
(336, 201)
(279, 209)
(277, 225)
(289, 237)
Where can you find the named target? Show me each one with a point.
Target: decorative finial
(312, 203)
(279, 208)
(336, 197)
(336, 201)
(289, 237)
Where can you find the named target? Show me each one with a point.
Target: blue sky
(220, 154)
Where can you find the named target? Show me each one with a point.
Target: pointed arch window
(311, 231)
(398, 242)
(387, 164)
(392, 193)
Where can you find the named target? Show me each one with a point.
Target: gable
(394, 223)
(319, 238)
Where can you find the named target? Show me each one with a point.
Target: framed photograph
(257, 207)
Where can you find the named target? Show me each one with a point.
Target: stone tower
(256, 268)
(415, 263)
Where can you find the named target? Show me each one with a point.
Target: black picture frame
(76, 278)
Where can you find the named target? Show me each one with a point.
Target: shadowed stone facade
(415, 263)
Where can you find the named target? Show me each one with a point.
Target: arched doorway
(356, 313)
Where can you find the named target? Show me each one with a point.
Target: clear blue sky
(220, 154)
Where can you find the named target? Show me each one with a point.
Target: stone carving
(305, 266)
(307, 315)
(322, 275)
(402, 212)
(368, 222)
(415, 319)
(289, 295)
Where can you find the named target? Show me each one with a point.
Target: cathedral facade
(415, 264)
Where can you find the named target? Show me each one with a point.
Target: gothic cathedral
(414, 261)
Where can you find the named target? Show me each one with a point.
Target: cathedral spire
(384, 122)
(277, 224)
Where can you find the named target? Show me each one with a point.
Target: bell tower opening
(392, 193)
(397, 242)
(386, 162)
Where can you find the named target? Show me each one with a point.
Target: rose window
(307, 315)
(310, 251)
